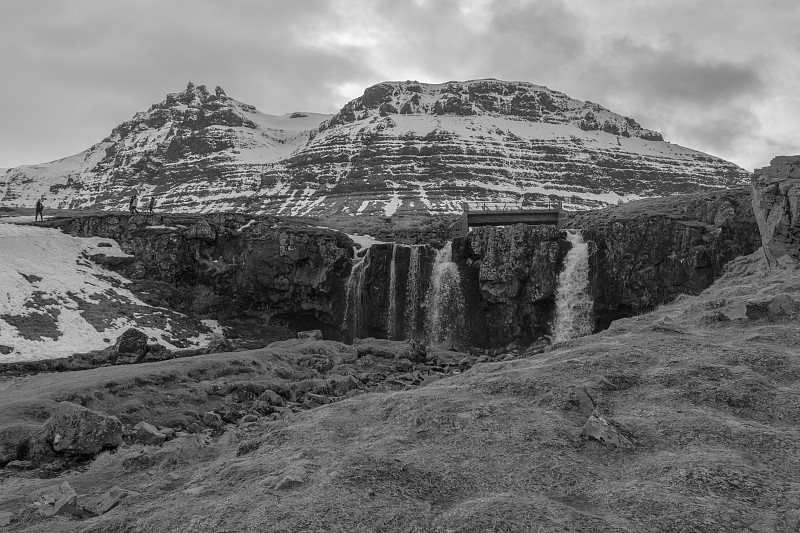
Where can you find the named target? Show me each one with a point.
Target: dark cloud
(718, 75)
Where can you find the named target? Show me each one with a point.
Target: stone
(313, 334)
(169, 433)
(148, 434)
(229, 438)
(131, 347)
(58, 500)
(219, 346)
(288, 482)
(19, 465)
(108, 500)
(194, 428)
(246, 419)
(156, 352)
(273, 398)
(341, 385)
(212, 420)
(76, 429)
(597, 428)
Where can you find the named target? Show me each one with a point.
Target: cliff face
(402, 147)
(650, 251)
(229, 266)
(776, 204)
(510, 276)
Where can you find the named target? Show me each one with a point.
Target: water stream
(573, 302)
(445, 301)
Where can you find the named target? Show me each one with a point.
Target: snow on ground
(45, 277)
(363, 241)
(394, 201)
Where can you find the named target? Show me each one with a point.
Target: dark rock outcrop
(76, 429)
(229, 265)
(776, 204)
(510, 275)
(650, 251)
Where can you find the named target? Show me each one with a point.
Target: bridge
(478, 214)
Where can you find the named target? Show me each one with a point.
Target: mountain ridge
(401, 147)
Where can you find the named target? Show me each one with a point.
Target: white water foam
(573, 302)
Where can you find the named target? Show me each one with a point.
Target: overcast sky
(721, 76)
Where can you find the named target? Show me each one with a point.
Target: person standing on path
(134, 203)
(39, 210)
(152, 204)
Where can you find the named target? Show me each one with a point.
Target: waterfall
(412, 293)
(354, 297)
(445, 301)
(391, 320)
(573, 301)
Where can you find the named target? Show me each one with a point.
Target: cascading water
(354, 298)
(445, 301)
(573, 301)
(412, 293)
(391, 320)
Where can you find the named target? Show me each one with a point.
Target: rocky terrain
(679, 420)
(402, 147)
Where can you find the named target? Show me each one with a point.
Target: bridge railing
(510, 206)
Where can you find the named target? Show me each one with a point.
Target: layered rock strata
(402, 147)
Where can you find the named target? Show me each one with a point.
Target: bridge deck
(489, 217)
(519, 216)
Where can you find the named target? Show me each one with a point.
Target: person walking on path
(134, 203)
(152, 204)
(39, 210)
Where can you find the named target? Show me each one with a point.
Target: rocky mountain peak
(523, 100)
(401, 147)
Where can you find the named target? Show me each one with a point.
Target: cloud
(718, 75)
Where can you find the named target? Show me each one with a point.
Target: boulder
(157, 352)
(341, 385)
(288, 482)
(212, 420)
(313, 334)
(597, 428)
(108, 500)
(149, 434)
(246, 419)
(219, 346)
(272, 397)
(76, 429)
(58, 500)
(131, 347)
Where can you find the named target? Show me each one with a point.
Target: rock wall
(648, 252)
(229, 265)
(509, 276)
(776, 205)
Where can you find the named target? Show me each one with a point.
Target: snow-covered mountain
(401, 147)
